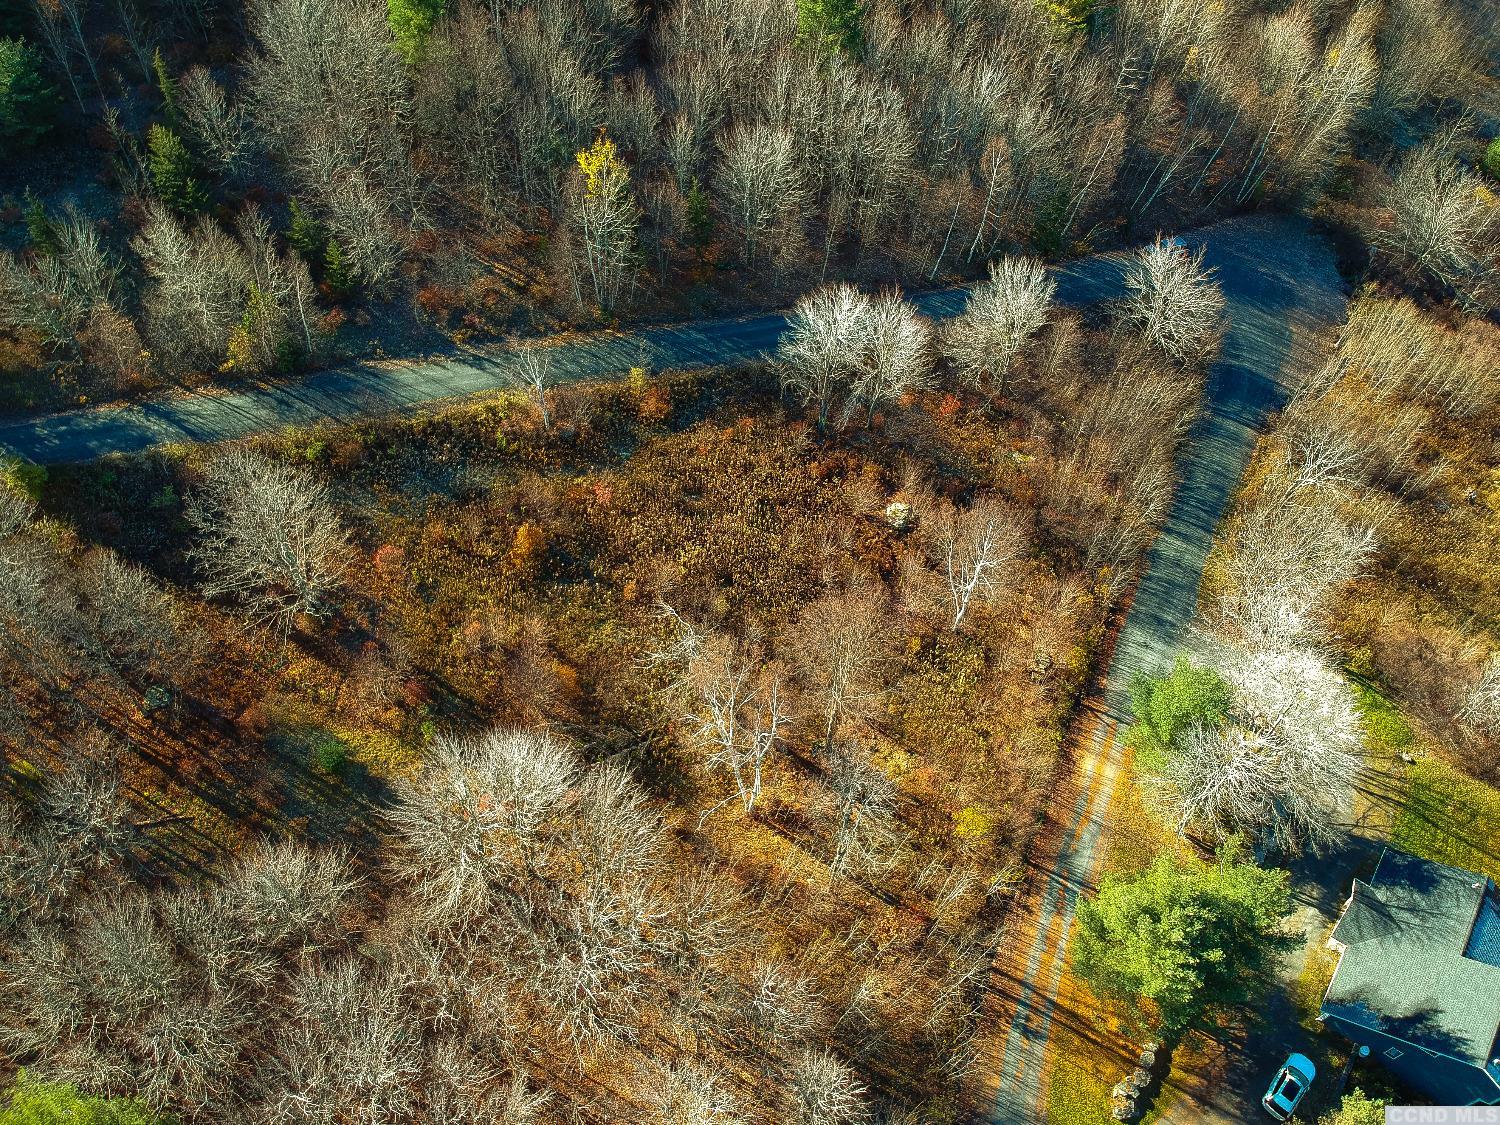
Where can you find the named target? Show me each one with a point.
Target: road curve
(360, 390)
(1281, 289)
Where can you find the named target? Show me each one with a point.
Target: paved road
(1281, 287)
(347, 393)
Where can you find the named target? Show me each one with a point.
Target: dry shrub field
(644, 756)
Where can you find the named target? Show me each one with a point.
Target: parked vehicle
(1289, 1086)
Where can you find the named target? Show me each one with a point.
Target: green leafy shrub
(1491, 159)
(1165, 706)
(830, 27)
(306, 234)
(40, 229)
(411, 23)
(1356, 1109)
(24, 477)
(328, 752)
(166, 85)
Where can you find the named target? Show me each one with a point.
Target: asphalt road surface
(360, 390)
(1281, 289)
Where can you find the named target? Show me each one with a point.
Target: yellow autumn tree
(603, 225)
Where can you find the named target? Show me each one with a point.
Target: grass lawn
(1449, 818)
(1387, 733)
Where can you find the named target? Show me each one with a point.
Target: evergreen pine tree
(40, 228)
(167, 85)
(700, 220)
(171, 167)
(336, 272)
(28, 104)
(306, 235)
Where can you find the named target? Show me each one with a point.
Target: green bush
(329, 753)
(830, 27)
(1491, 158)
(1165, 706)
(28, 104)
(411, 23)
(1356, 1109)
(29, 1102)
(24, 477)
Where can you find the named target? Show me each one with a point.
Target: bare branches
(1172, 300)
(825, 1092)
(1283, 768)
(760, 183)
(868, 351)
(840, 649)
(1443, 224)
(684, 1092)
(895, 359)
(815, 355)
(1002, 314)
(270, 538)
(215, 124)
(1481, 703)
(972, 547)
(733, 705)
(480, 812)
(531, 371)
(865, 799)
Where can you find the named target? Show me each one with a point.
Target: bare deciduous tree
(816, 356)
(1287, 560)
(865, 798)
(1001, 315)
(1481, 703)
(137, 622)
(733, 705)
(841, 650)
(1172, 300)
(479, 811)
(782, 1004)
(972, 547)
(214, 123)
(685, 1092)
(602, 216)
(759, 182)
(895, 358)
(825, 1091)
(199, 281)
(347, 1050)
(1282, 769)
(1442, 222)
(270, 538)
(531, 371)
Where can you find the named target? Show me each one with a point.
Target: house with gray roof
(1418, 978)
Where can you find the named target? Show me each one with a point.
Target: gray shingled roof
(1410, 969)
